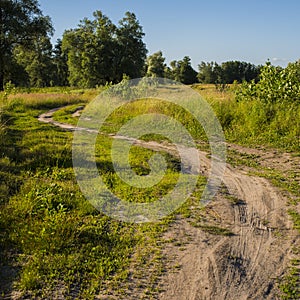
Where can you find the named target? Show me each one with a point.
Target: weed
(296, 218)
(57, 237)
(290, 283)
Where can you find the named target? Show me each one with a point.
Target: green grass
(215, 230)
(254, 123)
(51, 236)
(296, 218)
(139, 162)
(64, 115)
(249, 123)
(286, 181)
(236, 158)
(153, 106)
(289, 284)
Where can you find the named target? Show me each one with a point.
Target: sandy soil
(242, 266)
(246, 264)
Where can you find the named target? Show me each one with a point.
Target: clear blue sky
(215, 30)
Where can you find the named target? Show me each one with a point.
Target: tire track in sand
(242, 266)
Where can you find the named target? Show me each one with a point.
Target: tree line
(94, 53)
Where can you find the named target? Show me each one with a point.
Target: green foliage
(37, 62)
(276, 85)
(155, 65)
(208, 72)
(227, 72)
(9, 89)
(60, 62)
(257, 123)
(289, 284)
(85, 47)
(182, 71)
(99, 52)
(21, 23)
(266, 112)
(132, 50)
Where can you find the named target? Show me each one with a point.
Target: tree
(37, 61)
(132, 49)
(98, 51)
(60, 62)
(276, 85)
(183, 71)
(189, 75)
(208, 72)
(238, 71)
(174, 71)
(21, 23)
(90, 51)
(156, 65)
(16, 74)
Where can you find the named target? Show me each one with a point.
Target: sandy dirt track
(244, 265)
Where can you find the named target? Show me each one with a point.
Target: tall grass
(58, 239)
(254, 123)
(45, 100)
(51, 237)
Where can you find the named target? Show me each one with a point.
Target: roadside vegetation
(52, 237)
(53, 242)
(265, 113)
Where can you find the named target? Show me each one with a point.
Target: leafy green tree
(208, 72)
(60, 61)
(156, 65)
(21, 23)
(276, 85)
(98, 51)
(132, 50)
(238, 71)
(37, 61)
(90, 51)
(183, 71)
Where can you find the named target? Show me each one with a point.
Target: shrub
(275, 85)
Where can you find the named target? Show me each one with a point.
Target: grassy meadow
(52, 240)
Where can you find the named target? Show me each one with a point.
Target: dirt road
(245, 264)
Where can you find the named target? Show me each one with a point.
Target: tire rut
(242, 266)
